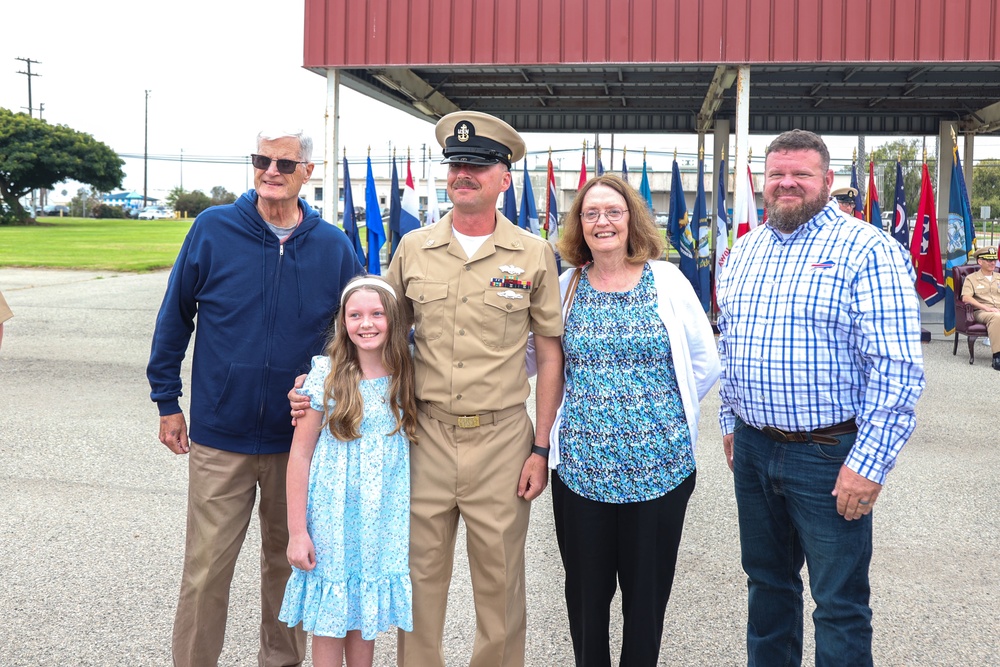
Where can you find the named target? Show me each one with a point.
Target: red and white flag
(744, 205)
(409, 218)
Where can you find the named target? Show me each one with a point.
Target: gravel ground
(92, 537)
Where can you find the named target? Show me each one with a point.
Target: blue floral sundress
(358, 516)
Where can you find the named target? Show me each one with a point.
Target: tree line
(35, 155)
(984, 190)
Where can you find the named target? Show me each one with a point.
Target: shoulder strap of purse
(571, 292)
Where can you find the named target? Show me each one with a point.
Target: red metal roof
(412, 33)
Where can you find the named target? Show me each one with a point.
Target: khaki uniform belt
(469, 421)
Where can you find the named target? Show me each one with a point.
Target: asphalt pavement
(92, 533)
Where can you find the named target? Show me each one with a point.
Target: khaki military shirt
(472, 316)
(983, 290)
(5, 312)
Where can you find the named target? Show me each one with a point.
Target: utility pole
(31, 109)
(28, 62)
(145, 157)
(43, 198)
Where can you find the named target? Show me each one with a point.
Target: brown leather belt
(822, 436)
(469, 421)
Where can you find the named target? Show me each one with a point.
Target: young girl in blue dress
(349, 483)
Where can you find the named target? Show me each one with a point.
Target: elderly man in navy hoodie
(263, 277)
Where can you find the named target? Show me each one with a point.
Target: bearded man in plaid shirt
(820, 344)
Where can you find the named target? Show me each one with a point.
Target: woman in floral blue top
(640, 355)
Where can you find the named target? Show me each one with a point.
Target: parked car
(154, 213)
(56, 210)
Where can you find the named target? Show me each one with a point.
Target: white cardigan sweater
(692, 345)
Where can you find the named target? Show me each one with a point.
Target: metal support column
(331, 188)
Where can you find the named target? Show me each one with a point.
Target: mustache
(465, 183)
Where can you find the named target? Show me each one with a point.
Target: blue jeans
(787, 516)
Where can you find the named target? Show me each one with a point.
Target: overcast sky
(218, 72)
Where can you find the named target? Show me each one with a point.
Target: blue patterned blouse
(624, 437)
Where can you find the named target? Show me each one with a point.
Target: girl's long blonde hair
(342, 384)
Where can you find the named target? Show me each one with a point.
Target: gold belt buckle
(468, 422)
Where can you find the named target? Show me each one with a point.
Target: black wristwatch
(541, 451)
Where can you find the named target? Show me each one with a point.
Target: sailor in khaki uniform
(981, 290)
(846, 199)
(474, 286)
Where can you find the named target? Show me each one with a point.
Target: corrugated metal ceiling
(835, 66)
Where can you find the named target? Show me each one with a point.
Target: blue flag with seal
(529, 213)
(961, 237)
(700, 227)
(510, 204)
(395, 209)
(373, 221)
(644, 188)
(678, 229)
(350, 221)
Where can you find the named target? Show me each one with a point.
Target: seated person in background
(981, 290)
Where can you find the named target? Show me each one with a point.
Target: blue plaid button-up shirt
(818, 328)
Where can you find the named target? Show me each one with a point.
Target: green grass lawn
(85, 243)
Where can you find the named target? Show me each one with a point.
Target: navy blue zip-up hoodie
(262, 309)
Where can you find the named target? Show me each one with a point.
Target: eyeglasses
(263, 162)
(612, 214)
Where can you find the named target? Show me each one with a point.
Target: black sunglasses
(262, 162)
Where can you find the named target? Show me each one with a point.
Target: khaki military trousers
(992, 322)
(222, 489)
(472, 473)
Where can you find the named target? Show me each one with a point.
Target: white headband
(369, 281)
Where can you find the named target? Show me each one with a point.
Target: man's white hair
(305, 141)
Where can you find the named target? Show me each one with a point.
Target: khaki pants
(992, 322)
(222, 488)
(472, 473)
